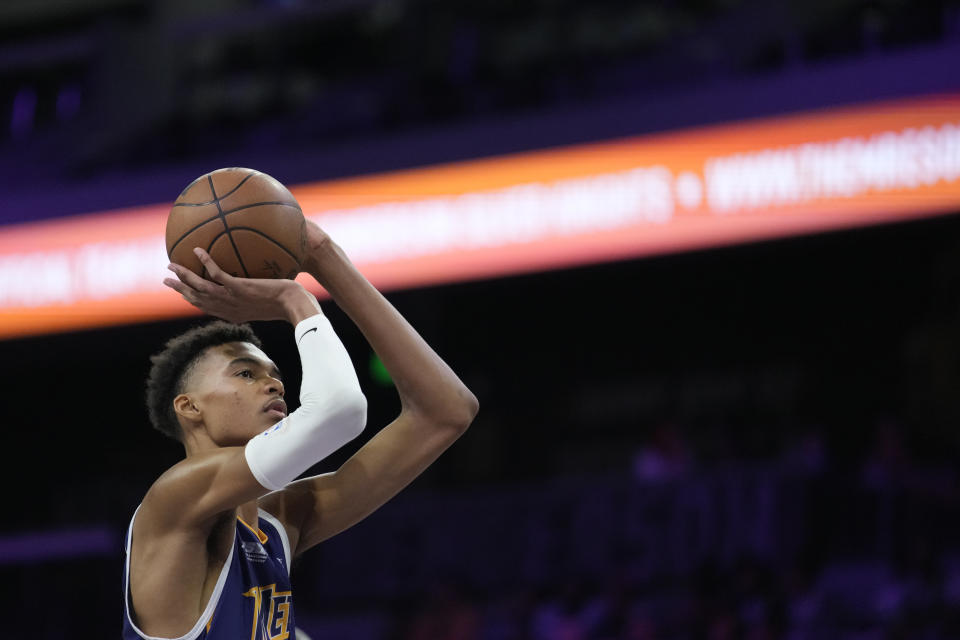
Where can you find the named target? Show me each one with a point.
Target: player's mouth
(277, 407)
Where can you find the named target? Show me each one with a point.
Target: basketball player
(210, 546)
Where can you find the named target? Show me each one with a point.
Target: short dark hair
(172, 365)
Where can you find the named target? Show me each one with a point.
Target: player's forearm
(426, 384)
(332, 410)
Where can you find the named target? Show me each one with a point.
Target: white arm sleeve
(333, 410)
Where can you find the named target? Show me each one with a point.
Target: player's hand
(241, 299)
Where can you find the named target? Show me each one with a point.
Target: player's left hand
(232, 298)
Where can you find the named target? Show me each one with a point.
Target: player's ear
(186, 408)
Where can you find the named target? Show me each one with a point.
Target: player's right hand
(241, 299)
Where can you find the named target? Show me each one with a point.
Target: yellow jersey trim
(260, 534)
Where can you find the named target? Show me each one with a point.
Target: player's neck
(198, 441)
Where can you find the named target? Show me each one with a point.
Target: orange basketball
(248, 222)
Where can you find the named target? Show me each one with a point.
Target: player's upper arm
(320, 507)
(197, 489)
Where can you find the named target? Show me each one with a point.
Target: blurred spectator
(665, 457)
(805, 453)
(921, 578)
(804, 601)
(571, 614)
(508, 615)
(447, 614)
(888, 461)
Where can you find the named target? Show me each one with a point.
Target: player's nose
(274, 386)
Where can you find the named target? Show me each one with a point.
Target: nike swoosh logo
(305, 333)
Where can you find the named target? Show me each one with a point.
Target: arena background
(741, 441)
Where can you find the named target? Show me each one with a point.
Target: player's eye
(245, 373)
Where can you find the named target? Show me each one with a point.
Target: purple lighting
(30, 548)
(23, 113)
(68, 102)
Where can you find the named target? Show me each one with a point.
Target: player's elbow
(350, 414)
(353, 412)
(343, 413)
(461, 411)
(471, 405)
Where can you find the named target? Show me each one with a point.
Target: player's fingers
(179, 287)
(176, 285)
(191, 279)
(185, 292)
(216, 273)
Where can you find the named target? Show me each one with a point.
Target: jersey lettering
(271, 612)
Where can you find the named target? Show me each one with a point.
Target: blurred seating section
(755, 550)
(90, 86)
(668, 504)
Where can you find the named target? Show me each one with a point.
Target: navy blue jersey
(252, 598)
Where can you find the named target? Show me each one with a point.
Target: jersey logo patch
(254, 551)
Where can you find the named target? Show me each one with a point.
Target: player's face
(238, 391)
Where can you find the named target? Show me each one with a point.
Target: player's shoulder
(196, 468)
(184, 472)
(181, 484)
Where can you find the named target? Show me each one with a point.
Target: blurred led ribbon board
(627, 198)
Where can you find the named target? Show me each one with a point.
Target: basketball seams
(224, 214)
(259, 233)
(261, 204)
(263, 235)
(215, 198)
(174, 246)
(226, 227)
(188, 187)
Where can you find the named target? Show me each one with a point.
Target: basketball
(249, 223)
